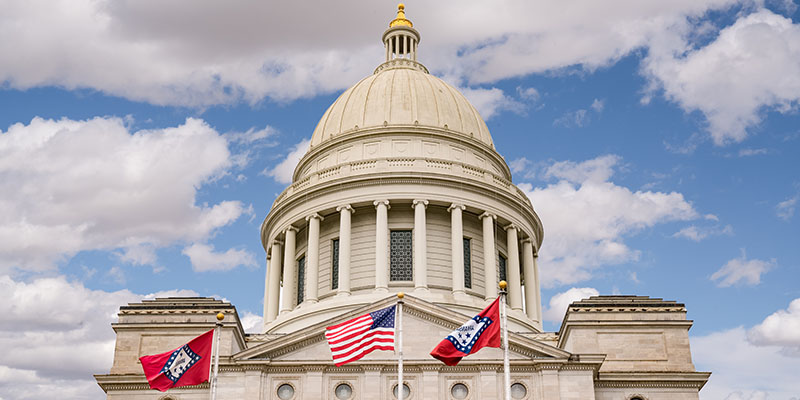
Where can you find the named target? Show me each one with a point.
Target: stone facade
(402, 190)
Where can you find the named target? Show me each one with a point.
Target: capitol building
(402, 190)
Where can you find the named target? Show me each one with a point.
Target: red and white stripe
(351, 340)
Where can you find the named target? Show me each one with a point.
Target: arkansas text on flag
(184, 366)
(483, 330)
(353, 339)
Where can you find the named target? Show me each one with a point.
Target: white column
(266, 288)
(420, 246)
(312, 258)
(531, 297)
(289, 270)
(514, 280)
(457, 247)
(489, 256)
(345, 213)
(538, 287)
(274, 281)
(381, 245)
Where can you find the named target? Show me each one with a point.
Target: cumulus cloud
(782, 328)
(698, 233)
(751, 67)
(191, 52)
(589, 217)
(559, 302)
(56, 334)
(73, 185)
(252, 323)
(742, 370)
(741, 271)
(785, 209)
(490, 102)
(282, 173)
(204, 258)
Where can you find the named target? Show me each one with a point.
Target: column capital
(456, 205)
(527, 240)
(315, 215)
(385, 202)
(511, 226)
(290, 228)
(419, 201)
(346, 207)
(487, 215)
(277, 242)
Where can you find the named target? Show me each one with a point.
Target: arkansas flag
(483, 330)
(184, 366)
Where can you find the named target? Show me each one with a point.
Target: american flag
(353, 339)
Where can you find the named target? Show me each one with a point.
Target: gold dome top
(401, 18)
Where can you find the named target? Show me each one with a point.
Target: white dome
(401, 93)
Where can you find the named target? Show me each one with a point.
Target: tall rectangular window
(400, 261)
(502, 271)
(467, 264)
(335, 264)
(301, 279)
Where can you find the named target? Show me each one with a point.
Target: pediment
(424, 326)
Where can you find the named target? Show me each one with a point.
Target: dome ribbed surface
(401, 96)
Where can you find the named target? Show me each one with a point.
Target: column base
(381, 290)
(342, 294)
(422, 289)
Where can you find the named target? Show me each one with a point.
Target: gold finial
(400, 295)
(220, 316)
(503, 285)
(401, 18)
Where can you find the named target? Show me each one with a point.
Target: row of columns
(529, 267)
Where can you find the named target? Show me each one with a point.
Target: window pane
(400, 268)
(467, 264)
(335, 264)
(301, 279)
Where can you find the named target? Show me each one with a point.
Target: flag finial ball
(400, 295)
(503, 285)
(220, 316)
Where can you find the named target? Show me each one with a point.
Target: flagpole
(400, 345)
(504, 327)
(213, 385)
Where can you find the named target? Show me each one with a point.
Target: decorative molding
(315, 215)
(456, 205)
(415, 202)
(382, 201)
(346, 207)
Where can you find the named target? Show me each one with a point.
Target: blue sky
(142, 144)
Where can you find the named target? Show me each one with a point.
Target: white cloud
(782, 328)
(519, 165)
(589, 216)
(697, 234)
(282, 173)
(559, 302)
(204, 258)
(192, 52)
(571, 119)
(530, 94)
(785, 209)
(251, 135)
(752, 66)
(742, 369)
(490, 102)
(752, 152)
(56, 334)
(252, 323)
(741, 271)
(73, 185)
(598, 105)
